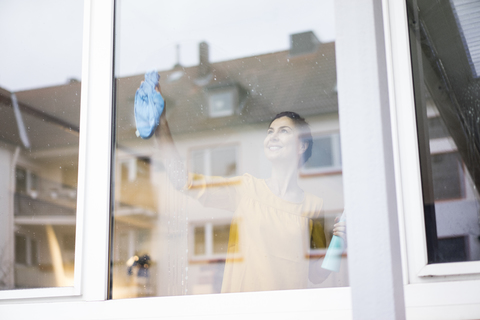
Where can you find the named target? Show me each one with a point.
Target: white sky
(41, 41)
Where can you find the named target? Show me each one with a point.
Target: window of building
(446, 99)
(20, 180)
(26, 251)
(326, 155)
(210, 240)
(222, 102)
(199, 241)
(20, 249)
(135, 168)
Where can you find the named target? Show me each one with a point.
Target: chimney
(303, 43)
(204, 66)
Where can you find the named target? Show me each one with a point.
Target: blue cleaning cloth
(149, 105)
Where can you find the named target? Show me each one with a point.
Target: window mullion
(368, 159)
(95, 151)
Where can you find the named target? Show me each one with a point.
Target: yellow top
(269, 237)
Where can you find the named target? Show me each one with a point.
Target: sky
(42, 40)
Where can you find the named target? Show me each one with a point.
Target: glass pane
(445, 38)
(40, 68)
(218, 214)
(447, 176)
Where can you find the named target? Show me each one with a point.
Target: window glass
(444, 40)
(447, 176)
(40, 69)
(233, 201)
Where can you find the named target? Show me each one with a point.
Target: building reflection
(218, 113)
(39, 159)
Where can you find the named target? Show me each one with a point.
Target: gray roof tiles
(268, 84)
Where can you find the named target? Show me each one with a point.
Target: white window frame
(93, 204)
(409, 185)
(424, 298)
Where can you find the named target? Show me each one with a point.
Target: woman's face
(281, 143)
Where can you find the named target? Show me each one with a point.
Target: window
(446, 96)
(219, 104)
(133, 168)
(333, 301)
(21, 180)
(210, 240)
(326, 156)
(26, 250)
(39, 133)
(20, 249)
(222, 102)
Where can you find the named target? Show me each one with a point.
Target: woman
(273, 218)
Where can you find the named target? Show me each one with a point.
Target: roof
(269, 84)
(51, 116)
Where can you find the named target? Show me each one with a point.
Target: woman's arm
(223, 193)
(168, 153)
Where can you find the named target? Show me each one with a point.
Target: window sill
(39, 293)
(450, 269)
(314, 174)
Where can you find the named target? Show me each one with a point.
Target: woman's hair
(305, 133)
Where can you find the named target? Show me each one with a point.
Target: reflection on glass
(199, 241)
(444, 39)
(40, 63)
(220, 238)
(216, 218)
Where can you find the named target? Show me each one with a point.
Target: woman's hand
(340, 229)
